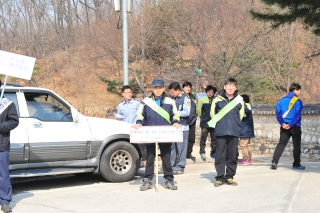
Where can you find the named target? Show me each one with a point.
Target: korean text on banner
(16, 65)
(154, 134)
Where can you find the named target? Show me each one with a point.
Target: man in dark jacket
(147, 116)
(247, 132)
(179, 150)
(187, 88)
(8, 121)
(203, 111)
(288, 112)
(227, 112)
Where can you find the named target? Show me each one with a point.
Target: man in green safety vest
(227, 112)
(158, 110)
(203, 110)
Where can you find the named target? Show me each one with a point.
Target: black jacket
(9, 120)
(230, 124)
(193, 110)
(247, 130)
(203, 111)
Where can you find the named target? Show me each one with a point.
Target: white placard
(16, 65)
(153, 134)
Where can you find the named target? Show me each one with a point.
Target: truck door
(19, 146)
(53, 135)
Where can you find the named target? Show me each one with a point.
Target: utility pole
(125, 42)
(125, 8)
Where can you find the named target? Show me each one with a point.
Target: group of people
(227, 116)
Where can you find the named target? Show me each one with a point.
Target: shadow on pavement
(50, 182)
(311, 167)
(137, 180)
(17, 198)
(210, 176)
(62, 181)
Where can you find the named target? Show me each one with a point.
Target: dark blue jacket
(247, 130)
(203, 111)
(193, 110)
(294, 116)
(181, 102)
(148, 117)
(9, 120)
(230, 124)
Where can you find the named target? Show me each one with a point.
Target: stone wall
(267, 131)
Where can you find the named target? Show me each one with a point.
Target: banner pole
(157, 167)
(4, 86)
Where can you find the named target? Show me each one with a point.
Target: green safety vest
(158, 109)
(212, 123)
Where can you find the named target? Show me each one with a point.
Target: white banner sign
(154, 134)
(15, 65)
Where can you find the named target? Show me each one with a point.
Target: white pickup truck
(53, 138)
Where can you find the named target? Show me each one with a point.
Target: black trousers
(295, 133)
(192, 138)
(165, 150)
(203, 139)
(226, 155)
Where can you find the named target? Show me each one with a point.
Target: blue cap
(158, 82)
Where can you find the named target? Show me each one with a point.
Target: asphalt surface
(259, 189)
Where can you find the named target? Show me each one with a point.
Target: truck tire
(119, 162)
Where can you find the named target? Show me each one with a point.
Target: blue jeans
(5, 184)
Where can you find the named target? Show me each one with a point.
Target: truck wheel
(119, 162)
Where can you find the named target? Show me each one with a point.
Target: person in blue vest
(127, 109)
(227, 112)
(179, 150)
(187, 88)
(247, 132)
(288, 113)
(9, 120)
(146, 116)
(203, 111)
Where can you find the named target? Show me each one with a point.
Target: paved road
(260, 189)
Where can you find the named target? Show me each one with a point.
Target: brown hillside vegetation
(77, 44)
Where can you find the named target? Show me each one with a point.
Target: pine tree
(305, 11)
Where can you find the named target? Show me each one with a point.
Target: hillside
(77, 45)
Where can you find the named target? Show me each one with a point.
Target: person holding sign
(288, 112)
(227, 112)
(179, 150)
(9, 120)
(158, 110)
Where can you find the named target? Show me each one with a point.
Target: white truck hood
(102, 128)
